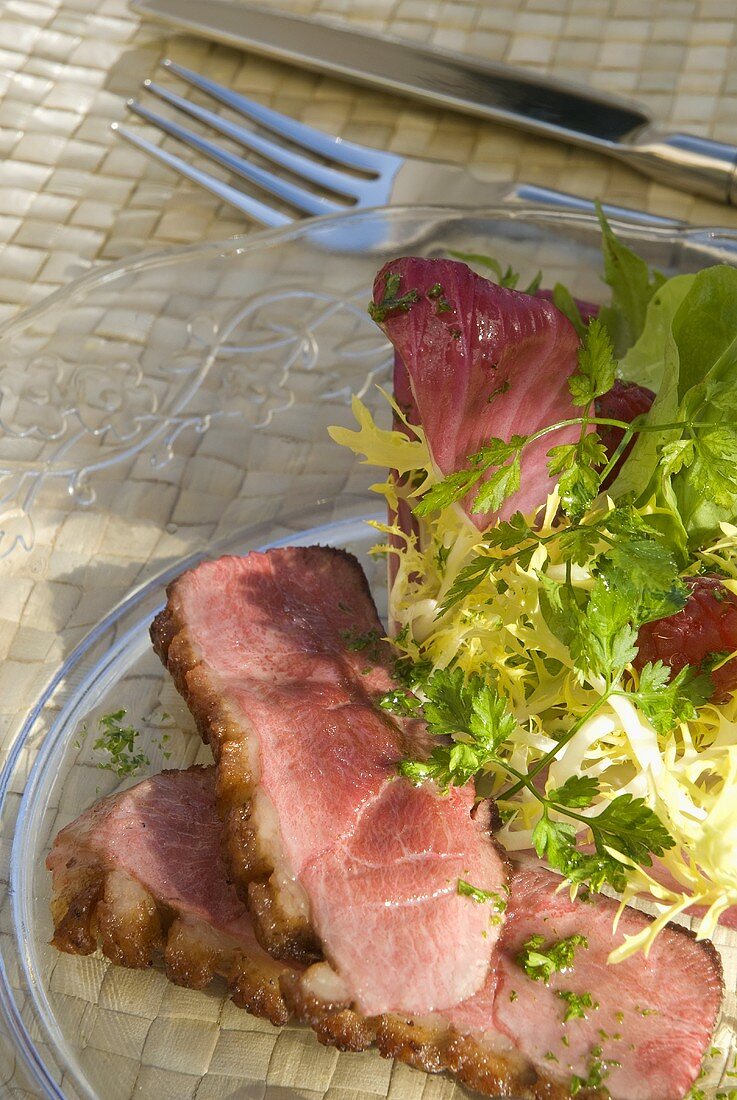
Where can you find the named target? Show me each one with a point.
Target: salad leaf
(633, 285)
(637, 473)
(644, 362)
(705, 484)
(705, 329)
(667, 699)
(493, 366)
(567, 304)
(596, 367)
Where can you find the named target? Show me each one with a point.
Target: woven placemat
(72, 193)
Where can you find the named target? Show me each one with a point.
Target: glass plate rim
(24, 1042)
(268, 238)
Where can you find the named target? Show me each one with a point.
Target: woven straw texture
(73, 196)
(71, 193)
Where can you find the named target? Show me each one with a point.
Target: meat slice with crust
(640, 1027)
(280, 658)
(653, 1016)
(140, 874)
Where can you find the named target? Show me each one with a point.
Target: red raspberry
(624, 401)
(707, 625)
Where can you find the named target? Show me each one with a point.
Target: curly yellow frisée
(518, 643)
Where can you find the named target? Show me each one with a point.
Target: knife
(551, 108)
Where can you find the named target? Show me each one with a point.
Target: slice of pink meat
(481, 361)
(161, 833)
(654, 1015)
(281, 653)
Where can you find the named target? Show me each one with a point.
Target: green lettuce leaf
(705, 329)
(633, 284)
(644, 362)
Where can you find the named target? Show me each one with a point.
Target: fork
(341, 175)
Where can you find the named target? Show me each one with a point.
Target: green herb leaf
(540, 960)
(357, 642)
(561, 607)
(604, 641)
(628, 825)
(554, 841)
(496, 451)
(596, 366)
(579, 485)
(392, 301)
(472, 713)
(566, 303)
(507, 534)
(504, 277)
(468, 579)
(534, 284)
(483, 897)
(643, 573)
(117, 742)
(502, 484)
(633, 285)
(666, 701)
(448, 491)
(578, 791)
(401, 702)
(577, 1004)
(578, 543)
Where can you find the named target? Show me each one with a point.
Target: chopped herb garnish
(357, 642)
(577, 1005)
(118, 742)
(392, 302)
(483, 897)
(540, 962)
(598, 1071)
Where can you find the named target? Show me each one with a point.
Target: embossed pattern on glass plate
(181, 401)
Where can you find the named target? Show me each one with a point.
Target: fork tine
(340, 183)
(344, 152)
(255, 209)
(306, 201)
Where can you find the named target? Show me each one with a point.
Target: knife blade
(552, 108)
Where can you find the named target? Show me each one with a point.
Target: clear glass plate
(196, 386)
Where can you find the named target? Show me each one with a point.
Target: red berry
(706, 626)
(624, 401)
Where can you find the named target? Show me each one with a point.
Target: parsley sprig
(474, 725)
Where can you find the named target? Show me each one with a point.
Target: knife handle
(689, 163)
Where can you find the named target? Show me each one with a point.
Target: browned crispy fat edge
(114, 912)
(72, 927)
(335, 1024)
(284, 935)
(432, 1047)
